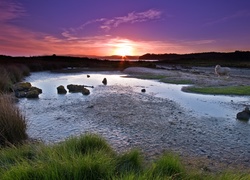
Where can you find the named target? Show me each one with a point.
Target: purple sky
(132, 27)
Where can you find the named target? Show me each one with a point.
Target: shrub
(12, 122)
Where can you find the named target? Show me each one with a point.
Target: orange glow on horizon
(121, 47)
(124, 50)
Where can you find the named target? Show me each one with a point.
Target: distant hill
(236, 59)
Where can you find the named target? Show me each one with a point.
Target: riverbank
(131, 119)
(156, 125)
(198, 76)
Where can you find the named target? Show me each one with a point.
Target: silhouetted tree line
(54, 62)
(236, 59)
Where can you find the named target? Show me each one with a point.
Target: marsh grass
(12, 74)
(12, 122)
(5, 81)
(79, 158)
(15, 73)
(231, 90)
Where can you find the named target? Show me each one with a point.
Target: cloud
(107, 24)
(10, 10)
(132, 17)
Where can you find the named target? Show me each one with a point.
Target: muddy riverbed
(152, 121)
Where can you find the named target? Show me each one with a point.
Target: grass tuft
(168, 166)
(129, 162)
(12, 123)
(86, 144)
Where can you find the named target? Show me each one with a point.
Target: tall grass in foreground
(12, 122)
(90, 157)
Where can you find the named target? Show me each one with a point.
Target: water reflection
(200, 105)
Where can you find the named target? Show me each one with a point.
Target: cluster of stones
(73, 88)
(26, 90)
(244, 115)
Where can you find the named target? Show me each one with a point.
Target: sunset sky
(123, 27)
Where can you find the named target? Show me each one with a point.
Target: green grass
(232, 90)
(90, 157)
(168, 166)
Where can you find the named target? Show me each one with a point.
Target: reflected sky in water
(197, 104)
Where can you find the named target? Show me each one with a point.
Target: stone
(61, 90)
(20, 94)
(36, 88)
(25, 90)
(75, 88)
(22, 86)
(244, 115)
(104, 81)
(78, 88)
(143, 90)
(85, 91)
(32, 94)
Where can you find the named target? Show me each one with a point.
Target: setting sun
(124, 50)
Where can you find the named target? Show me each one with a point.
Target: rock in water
(244, 115)
(22, 86)
(104, 81)
(61, 90)
(32, 94)
(75, 88)
(24, 89)
(85, 91)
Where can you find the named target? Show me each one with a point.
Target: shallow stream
(53, 117)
